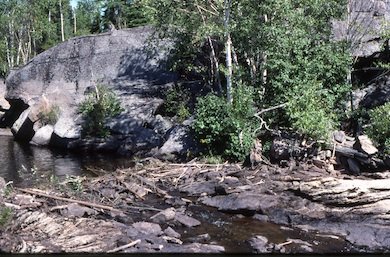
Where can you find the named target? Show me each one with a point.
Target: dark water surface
(29, 166)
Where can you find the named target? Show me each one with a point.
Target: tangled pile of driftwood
(354, 155)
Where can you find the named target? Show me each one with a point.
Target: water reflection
(27, 165)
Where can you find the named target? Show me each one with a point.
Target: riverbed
(235, 231)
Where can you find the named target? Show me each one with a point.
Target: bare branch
(204, 9)
(270, 109)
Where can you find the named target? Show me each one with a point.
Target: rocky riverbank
(163, 207)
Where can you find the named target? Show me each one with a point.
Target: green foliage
(96, 108)
(212, 159)
(75, 183)
(176, 103)
(189, 26)
(305, 52)
(5, 215)
(124, 13)
(8, 189)
(88, 17)
(289, 39)
(379, 129)
(223, 129)
(49, 116)
(267, 144)
(310, 110)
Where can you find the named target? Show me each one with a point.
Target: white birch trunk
(74, 22)
(62, 22)
(228, 54)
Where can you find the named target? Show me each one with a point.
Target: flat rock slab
(187, 220)
(148, 228)
(343, 192)
(245, 202)
(198, 188)
(365, 145)
(57, 234)
(193, 248)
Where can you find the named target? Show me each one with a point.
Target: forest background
(269, 64)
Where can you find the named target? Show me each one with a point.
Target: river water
(29, 166)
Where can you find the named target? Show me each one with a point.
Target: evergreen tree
(87, 15)
(124, 13)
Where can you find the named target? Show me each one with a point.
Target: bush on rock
(96, 108)
(226, 129)
(379, 129)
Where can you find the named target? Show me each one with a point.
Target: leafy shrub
(224, 129)
(310, 110)
(5, 215)
(176, 103)
(50, 116)
(379, 129)
(97, 107)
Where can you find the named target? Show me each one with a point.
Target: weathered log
(99, 206)
(123, 247)
(351, 153)
(89, 204)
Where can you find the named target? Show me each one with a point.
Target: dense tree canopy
(280, 48)
(277, 51)
(28, 27)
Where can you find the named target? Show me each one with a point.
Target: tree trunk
(216, 65)
(11, 47)
(214, 59)
(74, 22)
(264, 57)
(8, 52)
(228, 54)
(62, 22)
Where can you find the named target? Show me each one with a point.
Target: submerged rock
(260, 244)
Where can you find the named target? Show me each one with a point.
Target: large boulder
(373, 95)
(4, 105)
(180, 142)
(368, 19)
(58, 80)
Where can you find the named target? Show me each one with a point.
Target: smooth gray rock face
(180, 141)
(377, 93)
(3, 103)
(368, 20)
(373, 95)
(122, 60)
